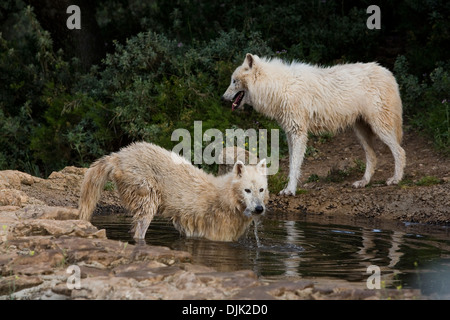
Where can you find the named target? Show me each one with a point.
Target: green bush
(153, 85)
(427, 102)
(27, 64)
(74, 130)
(170, 61)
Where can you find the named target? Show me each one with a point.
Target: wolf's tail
(92, 187)
(399, 121)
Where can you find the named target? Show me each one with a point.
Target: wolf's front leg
(297, 148)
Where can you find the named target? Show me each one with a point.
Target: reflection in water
(408, 256)
(370, 247)
(294, 236)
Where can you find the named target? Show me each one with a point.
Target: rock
(42, 263)
(285, 290)
(107, 288)
(148, 270)
(158, 253)
(11, 197)
(55, 228)
(47, 212)
(16, 198)
(13, 179)
(9, 285)
(39, 241)
(10, 188)
(9, 208)
(70, 178)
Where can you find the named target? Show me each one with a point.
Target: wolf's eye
(261, 190)
(234, 80)
(248, 190)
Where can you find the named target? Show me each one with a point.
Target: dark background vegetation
(140, 69)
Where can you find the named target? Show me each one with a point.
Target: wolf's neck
(264, 99)
(266, 92)
(273, 90)
(226, 195)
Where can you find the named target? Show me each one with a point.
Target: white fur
(302, 98)
(151, 180)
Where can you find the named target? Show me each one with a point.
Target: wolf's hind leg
(399, 157)
(142, 199)
(391, 136)
(366, 136)
(145, 209)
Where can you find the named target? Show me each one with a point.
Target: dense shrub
(27, 64)
(426, 102)
(169, 62)
(153, 85)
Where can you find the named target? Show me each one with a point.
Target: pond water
(292, 247)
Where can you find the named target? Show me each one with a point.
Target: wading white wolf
(302, 98)
(150, 179)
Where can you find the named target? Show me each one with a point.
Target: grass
(277, 182)
(340, 175)
(311, 151)
(301, 191)
(313, 178)
(424, 181)
(428, 181)
(337, 175)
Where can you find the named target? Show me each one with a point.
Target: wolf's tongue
(237, 101)
(234, 104)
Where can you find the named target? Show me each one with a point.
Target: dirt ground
(334, 164)
(326, 188)
(325, 191)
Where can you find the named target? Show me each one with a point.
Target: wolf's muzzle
(259, 209)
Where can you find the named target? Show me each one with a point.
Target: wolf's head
(238, 92)
(250, 186)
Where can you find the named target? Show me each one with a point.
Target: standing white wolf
(302, 98)
(150, 179)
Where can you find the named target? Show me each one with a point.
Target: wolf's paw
(392, 180)
(360, 184)
(286, 192)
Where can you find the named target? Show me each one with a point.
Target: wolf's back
(92, 187)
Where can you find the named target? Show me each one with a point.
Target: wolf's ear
(262, 167)
(239, 168)
(249, 59)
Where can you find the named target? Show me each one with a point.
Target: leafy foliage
(168, 62)
(427, 101)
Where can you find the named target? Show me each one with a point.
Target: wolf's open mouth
(237, 99)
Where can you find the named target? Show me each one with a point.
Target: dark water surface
(291, 247)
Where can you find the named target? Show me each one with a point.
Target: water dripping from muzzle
(255, 229)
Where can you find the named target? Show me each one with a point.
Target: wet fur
(152, 180)
(304, 98)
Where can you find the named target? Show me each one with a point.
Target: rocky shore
(44, 249)
(46, 253)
